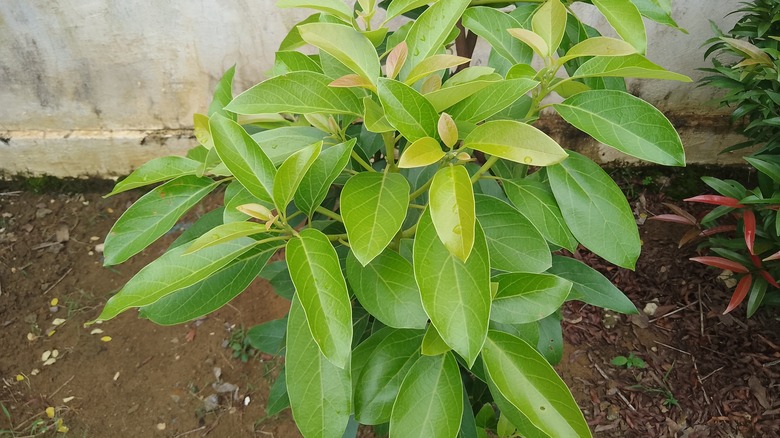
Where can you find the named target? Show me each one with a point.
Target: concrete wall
(96, 87)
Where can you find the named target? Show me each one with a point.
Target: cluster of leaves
(418, 239)
(752, 82)
(631, 361)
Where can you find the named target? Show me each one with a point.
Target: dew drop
(527, 160)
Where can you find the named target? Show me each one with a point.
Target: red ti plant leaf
(675, 218)
(681, 212)
(720, 262)
(769, 278)
(739, 293)
(756, 261)
(749, 219)
(716, 200)
(774, 256)
(719, 229)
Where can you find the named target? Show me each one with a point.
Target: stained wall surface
(95, 87)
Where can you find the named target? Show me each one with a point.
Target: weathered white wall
(96, 87)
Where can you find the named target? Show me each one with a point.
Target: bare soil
(149, 380)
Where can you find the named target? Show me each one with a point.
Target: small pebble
(94, 239)
(96, 331)
(35, 372)
(116, 376)
(91, 253)
(46, 355)
(49, 362)
(160, 426)
(99, 248)
(58, 321)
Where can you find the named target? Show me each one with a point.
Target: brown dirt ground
(149, 377)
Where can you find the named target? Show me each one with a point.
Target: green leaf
(291, 173)
(317, 181)
(490, 100)
(225, 233)
(320, 392)
(430, 400)
(346, 44)
(407, 110)
(302, 92)
(549, 22)
(757, 293)
(433, 344)
(268, 337)
(598, 46)
(536, 202)
(380, 378)
(455, 295)
(398, 7)
(235, 196)
(208, 295)
(320, 286)
(430, 31)
(491, 24)
(246, 161)
(200, 227)
(659, 11)
(525, 379)
(515, 141)
(625, 18)
(223, 94)
(524, 298)
(769, 165)
(156, 170)
(373, 207)
(153, 215)
(374, 118)
(422, 152)
(595, 210)
(278, 275)
(514, 243)
(589, 286)
(279, 143)
(278, 399)
(288, 61)
(625, 123)
(433, 64)
(387, 289)
(452, 210)
(171, 272)
(630, 66)
(337, 8)
(533, 41)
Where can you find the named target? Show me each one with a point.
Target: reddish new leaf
(677, 219)
(749, 219)
(739, 293)
(756, 261)
(680, 211)
(774, 256)
(769, 279)
(720, 262)
(719, 229)
(716, 200)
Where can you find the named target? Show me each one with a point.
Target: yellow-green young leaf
(290, 174)
(288, 61)
(491, 24)
(336, 8)
(490, 100)
(225, 233)
(452, 210)
(448, 130)
(257, 211)
(631, 66)
(589, 286)
(320, 286)
(430, 31)
(625, 18)
(568, 88)
(433, 344)
(749, 50)
(422, 152)
(373, 207)
(156, 170)
(626, 123)
(430, 400)
(320, 392)
(536, 202)
(455, 294)
(374, 119)
(171, 272)
(523, 298)
(153, 215)
(431, 84)
(350, 81)
(243, 157)
(515, 141)
(201, 130)
(549, 22)
(595, 209)
(317, 181)
(432, 64)
(447, 96)
(529, 383)
(533, 41)
(223, 94)
(344, 43)
(299, 92)
(407, 110)
(398, 7)
(396, 59)
(387, 289)
(598, 46)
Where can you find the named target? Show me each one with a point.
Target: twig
(58, 281)
(16, 193)
(701, 383)
(710, 374)
(61, 386)
(673, 312)
(773, 363)
(673, 348)
(701, 313)
(190, 431)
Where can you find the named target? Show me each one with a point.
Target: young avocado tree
(418, 211)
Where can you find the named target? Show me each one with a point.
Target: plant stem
(325, 212)
(389, 140)
(334, 237)
(362, 162)
(485, 167)
(415, 194)
(409, 232)
(273, 239)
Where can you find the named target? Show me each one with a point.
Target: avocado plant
(417, 208)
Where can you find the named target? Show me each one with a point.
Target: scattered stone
(116, 376)
(58, 321)
(99, 248)
(650, 309)
(210, 403)
(42, 213)
(160, 426)
(133, 408)
(610, 320)
(35, 372)
(62, 234)
(94, 239)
